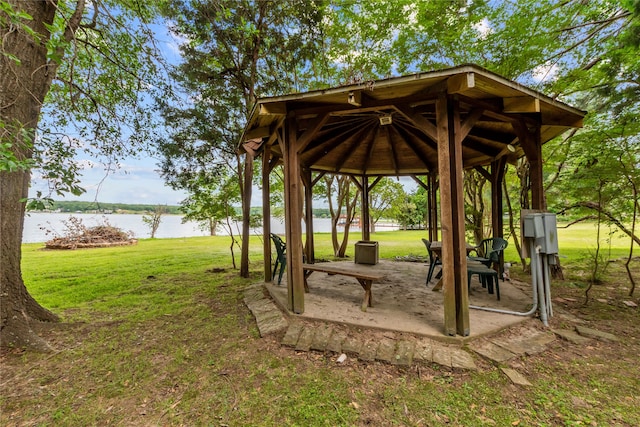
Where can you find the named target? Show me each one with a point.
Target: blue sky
(136, 180)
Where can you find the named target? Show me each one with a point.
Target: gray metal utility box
(366, 252)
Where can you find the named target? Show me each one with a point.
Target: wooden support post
(308, 210)
(454, 259)
(433, 206)
(498, 170)
(366, 219)
(532, 146)
(432, 215)
(293, 215)
(537, 179)
(246, 213)
(266, 211)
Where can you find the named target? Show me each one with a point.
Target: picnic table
(436, 248)
(364, 274)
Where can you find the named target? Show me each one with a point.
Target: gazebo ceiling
(388, 127)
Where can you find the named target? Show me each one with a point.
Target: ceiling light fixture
(386, 120)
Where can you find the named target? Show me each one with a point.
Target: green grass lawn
(157, 334)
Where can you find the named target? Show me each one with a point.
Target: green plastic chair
(281, 259)
(489, 251)
(433, 261)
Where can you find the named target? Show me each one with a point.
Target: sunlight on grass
(158, 334)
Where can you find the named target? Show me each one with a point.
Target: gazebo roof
(387, 127)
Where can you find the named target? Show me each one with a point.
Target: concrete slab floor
(402, 302)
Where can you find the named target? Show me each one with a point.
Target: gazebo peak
(387, 127)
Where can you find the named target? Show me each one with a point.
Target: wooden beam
(261, 132)
(312, 131)
(293, 216)
(405, 137)
(274, 161)
(491, 109)
(454, 260)
(317, 178)
(372, 109)
(374, 183)
(419, 121)
(266, 212)
(420, 183)
(498, 171)
(355, 181)
(538, 200)
(308, 211)
(470, 121)
(351, 145)
(483, 172)
(460, 83)
(275, 130)
(531, 144)
(459, 235)
(280, 137)
(366, 220)
(313, 155)
(279, 109)
(372, 144)
(432, 206)
(444, 170)
(521, 104)
(394, 155)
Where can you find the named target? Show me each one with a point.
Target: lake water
(36, 225)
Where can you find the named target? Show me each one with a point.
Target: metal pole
(547, 285)
(534, 287)
(541, 295)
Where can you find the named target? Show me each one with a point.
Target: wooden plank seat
(364, 275)
(486, 275)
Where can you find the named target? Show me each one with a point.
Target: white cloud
(544, 72)
(136, 181)
(483, 28)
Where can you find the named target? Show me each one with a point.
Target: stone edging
(404, 349)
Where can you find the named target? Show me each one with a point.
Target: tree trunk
(350, 215)
(213, 224)
(474, 184)
(522, 169)
(23, 88)
(246, 215)
(512, 227)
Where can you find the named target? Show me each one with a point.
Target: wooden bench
(364, 275)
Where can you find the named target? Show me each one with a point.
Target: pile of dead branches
(78, 236)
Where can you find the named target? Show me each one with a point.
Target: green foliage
(234, 52)
(9, 17)
(411, 210)
(210, 204)
(97, 105)
(81, 206)
(384, 198)
(154, 219)
(10, 136)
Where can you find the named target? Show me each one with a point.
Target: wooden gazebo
(433, 124)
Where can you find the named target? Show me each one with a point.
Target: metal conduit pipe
(542, 299)
(534, 286)
(547, 285)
